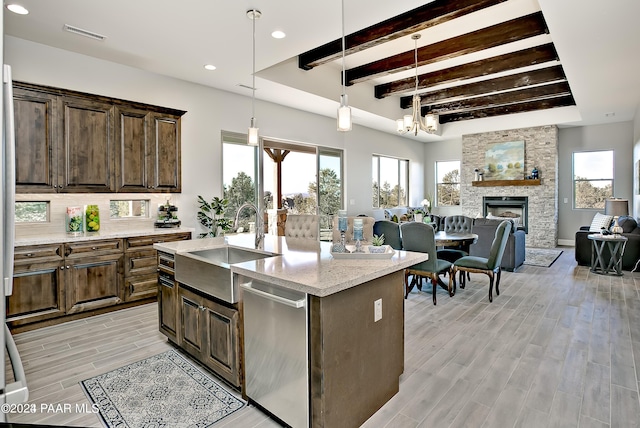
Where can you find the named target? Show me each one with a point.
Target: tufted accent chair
(302, 226)
(458, 224)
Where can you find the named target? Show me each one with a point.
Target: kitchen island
(351, 335)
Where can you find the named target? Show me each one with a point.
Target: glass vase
(92, 218)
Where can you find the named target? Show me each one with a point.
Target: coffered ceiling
(482, 65)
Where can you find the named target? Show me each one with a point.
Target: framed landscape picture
(504, 161)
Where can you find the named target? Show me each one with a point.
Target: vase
(73, 221)
(92, 218)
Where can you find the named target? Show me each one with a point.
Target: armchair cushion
(600, 221)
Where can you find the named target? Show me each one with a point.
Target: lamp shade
(616, 207)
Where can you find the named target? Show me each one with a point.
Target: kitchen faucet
(259, 222)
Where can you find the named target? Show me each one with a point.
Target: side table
(615, 245)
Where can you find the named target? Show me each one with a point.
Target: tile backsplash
(58, 203)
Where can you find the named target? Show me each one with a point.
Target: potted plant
(377, 244)
(211, 216)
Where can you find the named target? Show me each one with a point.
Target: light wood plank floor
(559, 347)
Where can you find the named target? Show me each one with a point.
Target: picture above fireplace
(507, 207)
(504, 161)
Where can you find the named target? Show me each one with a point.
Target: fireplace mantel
(489, 183)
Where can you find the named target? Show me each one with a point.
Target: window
(592, 179)
(134, 208)
(394, 176)
(448, 183)
(239, 172)
(32, 212)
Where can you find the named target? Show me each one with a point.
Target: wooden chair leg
(452, 284)
(498, 280)
(490, 286)
(434, 282)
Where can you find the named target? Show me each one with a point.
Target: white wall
(210, 111)
(615, 136)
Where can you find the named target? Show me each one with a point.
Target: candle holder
(342, 227)
(357, 234)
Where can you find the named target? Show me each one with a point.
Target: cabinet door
(38, 293)
(222, 343)
(88, 146)
(168, 306)
(133, 150)
(140, 287)
(191, 314)
(165, 153)
(94, 282)
(35, 126)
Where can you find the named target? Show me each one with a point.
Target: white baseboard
(567, 242)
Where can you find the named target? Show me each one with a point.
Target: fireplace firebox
(511, 207)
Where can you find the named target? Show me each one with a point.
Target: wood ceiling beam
(504, 83)
(496, 35)
(407, 23)
(536, 93)
(506, 62)
(544, 104)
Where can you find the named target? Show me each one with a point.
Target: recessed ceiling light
(16, 8)
(210, 67)
(278, 34)
(609, 114)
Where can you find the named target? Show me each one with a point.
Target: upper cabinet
(73, 142)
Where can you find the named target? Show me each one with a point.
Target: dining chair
(391, 232)
(420, 237)
(302, 226)
(489, 266)
(456, 224)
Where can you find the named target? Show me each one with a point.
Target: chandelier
(414, 122)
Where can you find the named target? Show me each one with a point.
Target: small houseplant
(211, 216)
(377, 244)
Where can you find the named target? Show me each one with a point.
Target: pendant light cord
(344, 83)
(253, 84)
(415, 56)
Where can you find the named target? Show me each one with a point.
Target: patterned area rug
(165, 390)
(541, 256)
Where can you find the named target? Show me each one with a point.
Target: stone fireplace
(512, 207)
(541, 151)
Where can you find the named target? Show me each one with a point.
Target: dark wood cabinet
(167, 296)
(95, 273)
(69, 141)
(36, 133)
(38, 285)
(88, 146)
(209, 331)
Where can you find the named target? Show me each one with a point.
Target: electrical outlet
(377, 310)
(566, 200)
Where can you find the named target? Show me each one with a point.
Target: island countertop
(301, 264)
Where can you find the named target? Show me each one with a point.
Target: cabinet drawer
(140, 287)
(141, 262)
(111, 246)
(27, 254)
(166, 263)
(137, 242)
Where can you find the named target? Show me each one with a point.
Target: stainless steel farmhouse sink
(210, 270)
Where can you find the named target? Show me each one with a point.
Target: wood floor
(559, 347)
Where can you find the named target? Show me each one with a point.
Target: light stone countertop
(301, 264)
(59, 238)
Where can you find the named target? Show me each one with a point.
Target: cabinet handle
(68, 267)
(130, 288)
(29, 254)
(94, 248)
(61, 267)
(202, 308)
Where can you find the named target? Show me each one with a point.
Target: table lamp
(616, 207)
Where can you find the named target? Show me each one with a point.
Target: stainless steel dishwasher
(276, 350)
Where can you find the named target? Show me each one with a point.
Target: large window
(239, 171)
(592, 178)
(390, 181)
(448, 183)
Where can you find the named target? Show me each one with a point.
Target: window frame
(437, 195)
(574, 181)
(401, 176)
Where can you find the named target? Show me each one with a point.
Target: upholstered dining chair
(302, 226)
(489, 266)
(456, 224)
(420, 237)
(391, 232)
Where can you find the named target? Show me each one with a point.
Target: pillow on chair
(599, 221)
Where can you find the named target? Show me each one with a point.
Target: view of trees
(449, 189)
(388, 197)
(242, 189)
(589, 196)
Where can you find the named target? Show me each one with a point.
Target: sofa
(630, 229)
(514, 253)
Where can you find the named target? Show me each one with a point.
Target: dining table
(455, 239)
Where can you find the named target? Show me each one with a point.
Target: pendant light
(413, 122)
(252, 136)
(344, 111)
